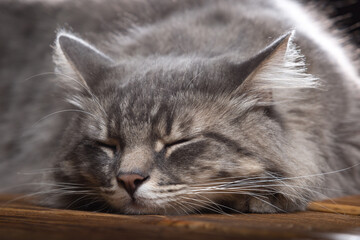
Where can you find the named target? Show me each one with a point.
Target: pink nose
(130, 182)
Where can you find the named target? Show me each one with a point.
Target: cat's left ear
(79, 62)
(279, 66)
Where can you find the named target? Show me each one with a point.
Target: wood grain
(23, 220)
(346, 205)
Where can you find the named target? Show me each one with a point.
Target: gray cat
(178, 107)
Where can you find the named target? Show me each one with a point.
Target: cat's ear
(279, 66)
(79, 62)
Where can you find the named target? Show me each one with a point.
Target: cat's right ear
(79, 63)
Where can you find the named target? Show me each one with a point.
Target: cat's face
(176, 136)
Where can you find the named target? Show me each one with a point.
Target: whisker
(62, 111)
(267, 202)
(205, 206)
(103, 207)
(40, 184)
(83, 86)
(210, 205)
(229, 178)
(39, 171)
(184, 208)
(75, 201)
(42, 74)
(218, 204)
(52, 191)
(274, 178)
(95, 200)
(173, 207)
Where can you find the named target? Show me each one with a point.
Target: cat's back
(243, 28)
(215, 28)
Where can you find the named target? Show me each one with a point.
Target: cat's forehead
(146, 88)
(150, 113)
(164, 99)
(152, 71)
(152, 81)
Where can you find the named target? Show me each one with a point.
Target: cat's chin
(135, 206)
(139, 208)
(142, 206)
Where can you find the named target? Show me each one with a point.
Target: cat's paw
(262, 205)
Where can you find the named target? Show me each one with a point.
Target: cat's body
(193, 105)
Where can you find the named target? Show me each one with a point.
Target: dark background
(345, 12)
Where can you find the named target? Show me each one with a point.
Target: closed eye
(111, 146)
(181, 141)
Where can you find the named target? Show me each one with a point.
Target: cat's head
(177, 134)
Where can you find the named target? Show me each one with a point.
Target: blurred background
(346, 14)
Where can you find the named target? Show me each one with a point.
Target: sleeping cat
(178, 107)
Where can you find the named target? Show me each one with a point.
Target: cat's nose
(130, 182)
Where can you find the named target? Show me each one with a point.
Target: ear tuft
(78, 62)
(279, 66)
(286, 67)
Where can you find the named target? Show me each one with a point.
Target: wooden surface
(22, 220)
(346, 205)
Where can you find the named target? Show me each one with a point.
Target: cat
(178, 107)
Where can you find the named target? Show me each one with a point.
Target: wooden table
(336, 219)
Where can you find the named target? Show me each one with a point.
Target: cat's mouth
(145, 202)
(139, 206)
(136, 204)
(167, 200)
